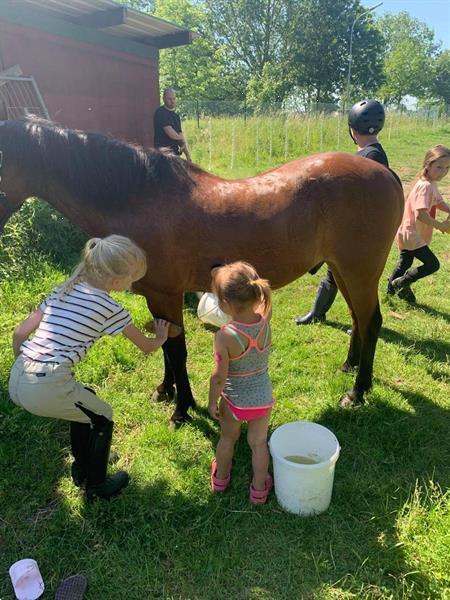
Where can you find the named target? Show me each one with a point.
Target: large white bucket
(304, 489)
(209, 311)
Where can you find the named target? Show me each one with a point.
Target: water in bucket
(304, 456)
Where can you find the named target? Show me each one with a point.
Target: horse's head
(14, 189)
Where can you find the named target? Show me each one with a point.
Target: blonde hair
(105, 259)
(431, 156)
(239, 284)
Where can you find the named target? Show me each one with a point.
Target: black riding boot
(326, 293)
(97, 484)
(80, 434)
(402, 285)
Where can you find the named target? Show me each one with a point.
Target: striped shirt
(72, 323)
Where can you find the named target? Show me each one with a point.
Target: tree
(319, 50)
(410, 51)
(441, 78)
(252, 32)
(142, 5)
(198, 70)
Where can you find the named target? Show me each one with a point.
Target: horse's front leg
(165, 392)
(175, 354)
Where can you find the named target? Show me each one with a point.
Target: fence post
(198, 114)
(308, 123)
(270, 140)
(321, 131)
(210, 145)
(257, 144)
(285, 139)
(338, 131)
(232, 146)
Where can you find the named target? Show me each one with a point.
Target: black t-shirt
(162, 118)
(375, 152)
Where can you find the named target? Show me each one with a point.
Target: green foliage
(141, 5)
(272, 50)
(409, 54)
(319, 51)
(198, 70)
(270, 88)
(33, 234)
(441, 77)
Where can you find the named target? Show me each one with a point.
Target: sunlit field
(386, 534)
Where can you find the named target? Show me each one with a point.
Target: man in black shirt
(167, 126)
(365, 121)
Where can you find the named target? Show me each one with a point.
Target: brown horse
(333, 207)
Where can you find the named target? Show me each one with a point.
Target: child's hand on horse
(161, 329)
(174, 330)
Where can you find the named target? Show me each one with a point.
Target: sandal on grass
(218, 485)
(72, 588)
(260, 496)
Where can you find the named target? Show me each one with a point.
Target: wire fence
(221, 139)
(203, 109)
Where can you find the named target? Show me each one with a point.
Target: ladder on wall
(20, 95)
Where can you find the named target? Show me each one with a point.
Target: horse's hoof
(178, 420)
(351, 400)
(164, 396)
(348, 368)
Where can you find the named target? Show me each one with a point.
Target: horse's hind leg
(367, 315)
(354, 351)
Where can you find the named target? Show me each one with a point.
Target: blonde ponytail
(105, 259)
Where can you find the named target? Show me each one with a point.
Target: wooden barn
(87, 64)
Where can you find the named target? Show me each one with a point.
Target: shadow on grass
(432, 348)
(167, 535)
(432, 311)
(385, 452)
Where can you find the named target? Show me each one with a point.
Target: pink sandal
(218, 485)
(260, 496)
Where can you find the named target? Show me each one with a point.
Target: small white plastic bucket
(304, 489)
(208, 311)
(26, 579)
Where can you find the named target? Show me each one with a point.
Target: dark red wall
(86, 86)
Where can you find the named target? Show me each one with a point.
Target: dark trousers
(430, 264)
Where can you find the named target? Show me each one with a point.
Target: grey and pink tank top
(248, 383)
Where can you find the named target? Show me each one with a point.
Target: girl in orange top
(416, 229)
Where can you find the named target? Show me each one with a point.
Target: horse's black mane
(92, 166)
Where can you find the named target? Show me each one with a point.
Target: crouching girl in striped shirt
(64, 328)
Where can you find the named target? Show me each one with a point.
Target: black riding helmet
(366, 117)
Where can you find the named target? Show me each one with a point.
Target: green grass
(233, 147)
(386, 533)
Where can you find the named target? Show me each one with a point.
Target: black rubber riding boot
(402, 286)
(97, 484)
(325, 296)
(80, 435)
(390, 290)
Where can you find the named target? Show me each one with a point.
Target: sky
(435, 13)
